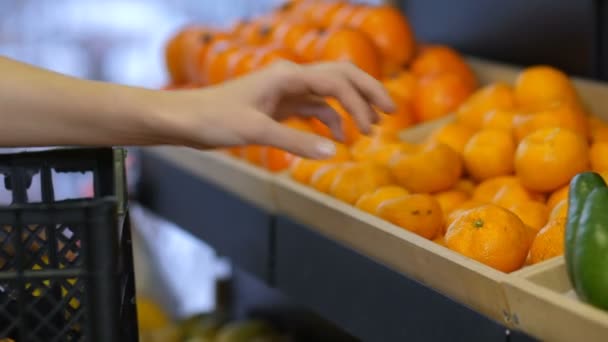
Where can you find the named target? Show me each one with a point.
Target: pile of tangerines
(426, 82)
(492, 184)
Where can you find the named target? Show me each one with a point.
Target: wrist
(153, 117)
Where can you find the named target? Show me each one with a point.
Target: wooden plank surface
(471, 283)
(247, 181)
(542, 304)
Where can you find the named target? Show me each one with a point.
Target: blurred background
(112, 40)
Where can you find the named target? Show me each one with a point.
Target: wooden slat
(247, 181)
(457, 276)
(542, 305)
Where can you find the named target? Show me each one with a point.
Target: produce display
(491, 184)
(155, 326)
(509, 175)
(426, 81)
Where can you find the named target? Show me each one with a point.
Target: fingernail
(326, 149)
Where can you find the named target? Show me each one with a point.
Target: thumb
(300, 143)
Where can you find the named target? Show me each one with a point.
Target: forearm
(42, 108)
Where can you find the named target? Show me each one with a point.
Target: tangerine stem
(478, 223)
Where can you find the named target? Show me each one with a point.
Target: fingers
(355, 90)
(369, 87)
(321, 110)
(332, 83)
(300, 143)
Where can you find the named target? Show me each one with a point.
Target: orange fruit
(437, 60)
(510, 194)
(462, 208)
(217, 70)
(275, 159)
(390, 191)
(499, 119)
(288, 34)
(323, 12)
(440, 95)
(306, 48)
(366, 145)
(401, 86)
(418, 213)
(450, 200)
(487, 190)
(323, 178)
(497, 96)
(181, 50)
(370, 201)
(258, 31)
(384, 154)
(560, 211)
(491, 235)
(549, 242)
(538, 87)
(557, 196)
(345, 44)
(349, 126)
(598, 155)
(435, 167)
(559, 115)
(489, 153)
(598, 129)
(604, 175)
(440, 240)
(390, 31)
(302, 170)
(548, 158)
(237, 61)
(353, 182)
(453, 134)
(345, 15)
(242, 64)
(267, 55)
(253, 154)
(236, 152)
(533, 213)
(213, 56)
(397, 121)
(465, 185)
(298, 123)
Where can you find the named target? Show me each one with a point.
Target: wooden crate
(543, 304)
(469, 282)
(248, 182)
(465, 280)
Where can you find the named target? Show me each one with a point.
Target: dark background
(568, 34)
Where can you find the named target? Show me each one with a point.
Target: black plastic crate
(66, 266)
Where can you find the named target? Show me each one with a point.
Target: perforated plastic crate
(66, 269)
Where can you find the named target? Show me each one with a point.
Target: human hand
(248, 110)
